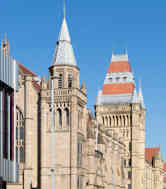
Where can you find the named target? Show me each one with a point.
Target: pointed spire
(64, 33)
(98, 99)
(135, 97)
(140, 96)
(64, 9)
(64, 51)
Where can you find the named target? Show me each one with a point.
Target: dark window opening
(60, 80)
(70, 81)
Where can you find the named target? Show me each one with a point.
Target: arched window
(120, 120)
(16, 154)
(67, 117)
(19, 136)
(103, 120)
(113, 120)
(106, 120)
(21, 154)
(117, 121)
(124, 120)
(70, 81)
(110, 120)
(60, 81)
(59, 114)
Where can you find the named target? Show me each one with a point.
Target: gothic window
(79, 151)
(59, 114)
(67, 117)
(117, 121)
(103, 120)
(106, 120)
(19, 136)
(129, 174)
(60, 81)
(124, 120)
(110, 121)
(70, 79)
(113, 120)
(16, 154)
(79, 182)
(130, 146)
(21, 133)
(21, 154)
(17, 133)
(129, 162)
(120, 120)
(129, 186)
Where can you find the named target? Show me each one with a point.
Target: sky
(97, 29)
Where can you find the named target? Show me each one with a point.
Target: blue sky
(96, 28)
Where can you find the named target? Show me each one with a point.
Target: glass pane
(21, 155)
(21, 133)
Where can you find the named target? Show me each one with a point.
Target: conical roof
(64, 50)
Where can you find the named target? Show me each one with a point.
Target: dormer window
(70, 79)
(125, 78)
(110, 79)
(118, 79)
(60, 79)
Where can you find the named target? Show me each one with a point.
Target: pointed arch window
(70, 80)
(60, 81)
(20, 136)
(21, 154)
(59, 112)
(67, 116)
(103, 120)
(16, 154)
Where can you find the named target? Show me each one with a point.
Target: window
(67, 115)
(59, 117)
(21, 133)
(16, 154)
(79, 182)
(124, 163)
(20, 136)
(125, 78)
(80, 150)
(79, 154)
(60, 81)
(129, 174)
(21, 154)
(70, 81)
(118, 79)
(129, 162)
(130, 146)
(110, 79)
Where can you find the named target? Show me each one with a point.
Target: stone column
(28, 121)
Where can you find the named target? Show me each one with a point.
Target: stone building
(60, 144)
(154, 168)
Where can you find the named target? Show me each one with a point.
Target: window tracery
(20, 136)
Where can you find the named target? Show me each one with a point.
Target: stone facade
(60, 144)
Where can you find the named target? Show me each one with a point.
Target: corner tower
(121, 110)
(69, 103)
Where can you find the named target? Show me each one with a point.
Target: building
(154, 169)
(59, 143)
(164, 179)
(8, 87)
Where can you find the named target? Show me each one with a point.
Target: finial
(126, 51)
(64, 9)
(140, 83)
